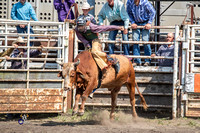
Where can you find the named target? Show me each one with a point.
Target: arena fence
(35, 89)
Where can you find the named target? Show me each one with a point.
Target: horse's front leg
(91, 85)
(77, 98)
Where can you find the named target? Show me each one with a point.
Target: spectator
(21, 52)
(89, 17)
(141, 13)
(167, 51)
(22, 11)
(63, 7)
(7, 53)
(116, 14)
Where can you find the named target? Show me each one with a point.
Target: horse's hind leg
(131, 89)
(114, 94)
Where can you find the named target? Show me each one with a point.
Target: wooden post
(70, 59)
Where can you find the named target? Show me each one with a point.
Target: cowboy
(21, 52)
(116, 14)
(23, 11)
(86, 8)
(63, 8)
(87, 35)
(141, 13)
(167, 51)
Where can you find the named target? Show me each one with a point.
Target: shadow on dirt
(14, 117)
(72, 124)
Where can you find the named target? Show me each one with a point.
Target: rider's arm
(101, 28)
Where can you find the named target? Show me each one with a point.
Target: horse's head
(68, 73)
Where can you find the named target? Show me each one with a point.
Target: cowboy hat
(19, 40)
(87, 6)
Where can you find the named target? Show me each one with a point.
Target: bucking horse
(84, 75)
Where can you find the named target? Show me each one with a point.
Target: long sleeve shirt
(141, 13)
(23, 12)
(166, 51)
(95, 29)
(17, 64)
(63, 9)
(7, 52)
(118, 12)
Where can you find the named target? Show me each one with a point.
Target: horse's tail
(141, 97)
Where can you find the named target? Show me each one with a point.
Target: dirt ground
(98, 122)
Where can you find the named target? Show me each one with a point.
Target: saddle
(103, 60)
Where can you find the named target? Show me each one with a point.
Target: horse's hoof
(74, 113)
(80, 113)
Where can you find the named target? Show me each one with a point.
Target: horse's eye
(72, 74)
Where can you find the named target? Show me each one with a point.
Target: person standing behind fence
(116, 14)
(141, 13)
(23, 11)
(63, 8)
(167, 51)
(86, 8)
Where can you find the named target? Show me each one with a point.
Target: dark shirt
(89, 35)
(22, 64)
(166, 51)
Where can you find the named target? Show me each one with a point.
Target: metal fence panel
(36, 89)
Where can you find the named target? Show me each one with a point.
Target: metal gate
(36, 89)
(191, 71)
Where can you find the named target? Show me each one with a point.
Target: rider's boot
(115, 63)
(116, 66)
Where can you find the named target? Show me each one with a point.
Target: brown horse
(84, 73)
